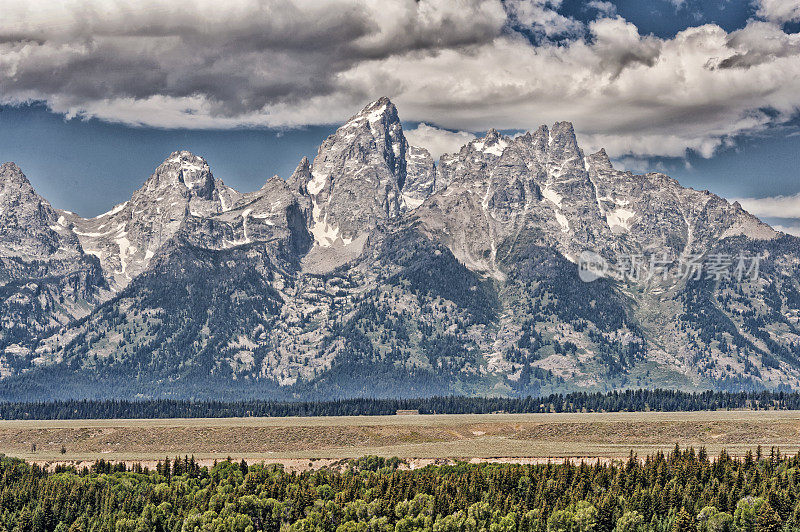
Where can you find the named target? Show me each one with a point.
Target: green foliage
(684, 522)
(581, 518)
(679, 492)
(624, 401)
(746, 514)
(631, 521)
(712, 520)
(375, 463)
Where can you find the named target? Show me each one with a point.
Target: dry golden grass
(491, 436)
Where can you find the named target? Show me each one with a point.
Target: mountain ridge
(374, 265)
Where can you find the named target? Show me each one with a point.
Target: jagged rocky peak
(11, 173)
(563, 146)
(493, 143)
(301, 176)
(374, 135)
(14, 186)
(129, 235)
(358, 174)
(31, 228)
(45, 278)
(466, 168)
(186, 177)
(381, 119)
(538, 140)
(186, 169)
(599, 161)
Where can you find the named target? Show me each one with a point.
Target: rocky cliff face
(357, 176)
(127, 237)
(31, 228)
(46, 280)
(375, 271)
(420, 179)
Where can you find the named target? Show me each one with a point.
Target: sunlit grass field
(421, 438)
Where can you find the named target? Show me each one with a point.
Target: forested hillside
(684, 491)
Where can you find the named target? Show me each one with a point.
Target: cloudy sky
(95, 93)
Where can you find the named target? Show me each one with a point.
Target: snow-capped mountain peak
(375, 260)
(493, 143)
(358, 174)
(128, 236)
(183, 168)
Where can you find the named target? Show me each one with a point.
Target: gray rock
(376, 271)
(358, 174)
(46, 280)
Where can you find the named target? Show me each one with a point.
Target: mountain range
(376, 271)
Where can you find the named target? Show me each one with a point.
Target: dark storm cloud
(465, 65)
(240, 60)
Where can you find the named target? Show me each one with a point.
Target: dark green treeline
(681, 491)
(625, 401)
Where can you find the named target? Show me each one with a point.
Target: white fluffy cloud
(541, 17)
(792, 229)
(202, 63)
(773, 207)
(606, 9)
(437, 141)
(465, 65)
(779, 10)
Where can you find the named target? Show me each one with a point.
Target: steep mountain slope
(46, 280)
(126, 237)
(374, 271)
(357, 176)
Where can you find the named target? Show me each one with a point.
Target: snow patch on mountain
(563, 222)
(620, 219)
(552, 196)
(317, 183)
(113, 211)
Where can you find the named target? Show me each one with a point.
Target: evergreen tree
(684, 522)
(768, 519)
